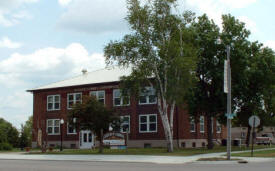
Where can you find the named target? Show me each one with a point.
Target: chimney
(84, 71)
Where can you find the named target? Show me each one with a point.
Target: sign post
(254, 121)
(227, 89)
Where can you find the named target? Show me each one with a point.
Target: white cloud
(64, 2)
(51, 62)
(216, 8)
(270, 44)
(250, 24)
(96, 16)
(21, 72)
(5, 42)
(10, 12)
(237, 3)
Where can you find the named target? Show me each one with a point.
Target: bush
(5, 147)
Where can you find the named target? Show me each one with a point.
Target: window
(148, 96)
(53, 102)
(119, 100)
(242, 134)
(71, 129)
(74, 98)
(100, 95)
(201, 123)
(125, 124)
(53, 126)
(148, 123)
(192, 125)
(218, 127)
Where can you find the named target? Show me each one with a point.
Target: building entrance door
(86, 139)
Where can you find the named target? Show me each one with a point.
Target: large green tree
(257, 96)
(26, 133)
(207, 97)
(8, 133)
(94, 116)
(162, 52)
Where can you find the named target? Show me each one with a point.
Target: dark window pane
(142, 99)
(117, 101)
(90, 137)
(56, 130)
(56, 98)
(71, 97)
(143, 119)
(152, 118)
(56, 106)
(78, 97)
(50, 106)
(50, 130)
(152, 127)
(152, 99)
(70, 104)
(125, 127)
(71, 129)
(84, 137)
(143, 127)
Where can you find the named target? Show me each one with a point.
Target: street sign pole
(253, 136)
(229, 112)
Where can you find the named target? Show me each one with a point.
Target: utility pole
(229, 112)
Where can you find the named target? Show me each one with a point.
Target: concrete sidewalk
(127, 158)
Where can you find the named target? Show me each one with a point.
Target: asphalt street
(33, 165)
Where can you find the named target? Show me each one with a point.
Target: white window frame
(121, 126)
(148, 123)
(147, 94)
(70, 133)
(74, 99)
(218, 127)
(52, 133)
(53, 96)
(192, 122)
(121, 99)
(97, 96)
(202, 124)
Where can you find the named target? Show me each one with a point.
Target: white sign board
(113, 139)
(254, 121)
(225, 76)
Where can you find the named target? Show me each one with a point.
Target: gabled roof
(106, 75)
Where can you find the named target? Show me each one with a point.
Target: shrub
(5, 147)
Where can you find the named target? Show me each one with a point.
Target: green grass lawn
(13, 150)
(147, 151)
(266, 153)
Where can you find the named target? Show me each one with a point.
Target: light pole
(61, 134)
(229, 112)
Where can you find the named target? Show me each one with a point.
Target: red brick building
(52, 102)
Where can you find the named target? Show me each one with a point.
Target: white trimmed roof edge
(108, 74)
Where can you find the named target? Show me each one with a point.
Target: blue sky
(43, 41)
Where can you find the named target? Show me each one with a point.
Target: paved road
(32, 165)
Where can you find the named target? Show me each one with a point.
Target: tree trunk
(101, 142)
(170, 146)
(247, 141)
(210, 144)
